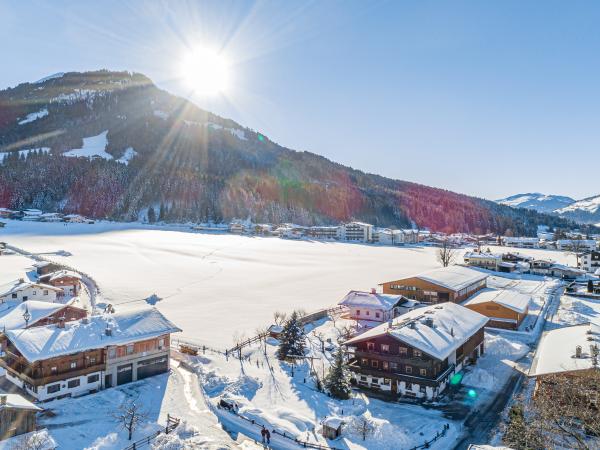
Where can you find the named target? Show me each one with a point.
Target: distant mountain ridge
(112, 145)
(586, 211)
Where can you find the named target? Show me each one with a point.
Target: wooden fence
(172, 423)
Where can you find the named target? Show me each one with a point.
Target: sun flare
(205, 71)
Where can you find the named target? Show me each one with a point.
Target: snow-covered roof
(370, 300)
(556, 350)
(40, 343)
(19, 285)
(453, 277)
(483, 255)
(17, 402)
(333, 422)
(11, 318)
(53, 276)
(451, 326)
(505, 297)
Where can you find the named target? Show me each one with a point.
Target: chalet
(355, 232)
(516, 257)
(577, 244)
(31, 215)
(6, 213)
(35, 313)
(416, 355)
(46, 267)
(375, 307)
(27, 290)
(77, 358)
(17, 416)
(51, 217)
(590, 261)
(484, 260)
(505, 308)
(541, 267)
(67, 280)
(567, 351)
(454, 284)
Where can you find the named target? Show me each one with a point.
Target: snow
(24, 152)
(20, 284)
(452, 326)
(127, 156)
(453, 277)
(50, 77)
(50, 341)
(38, 440)
(34, 116)
(370, 300)
(590, 204)
(17, 401)
(92, 146)
(513, 300)
(240, 134)
(11, 314)
(161, 114)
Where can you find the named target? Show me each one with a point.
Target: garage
(152, 366)
(124, 374)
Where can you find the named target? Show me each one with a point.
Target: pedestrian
(268, 436)
(263, 434)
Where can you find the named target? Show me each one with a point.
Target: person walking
(263, 434)
(268, 433)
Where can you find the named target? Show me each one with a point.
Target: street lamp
(26, 316)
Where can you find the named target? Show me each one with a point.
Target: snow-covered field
(215, 286)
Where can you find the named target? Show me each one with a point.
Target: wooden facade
(69, 284)
(500, 315)
(16, 421)
(68, 314)
(424, 291)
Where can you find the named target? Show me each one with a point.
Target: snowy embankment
(217, 286)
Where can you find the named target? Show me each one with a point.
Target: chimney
(429, 322)
(108, 331)
(3, 399)
(21, 280)
(412, 325)
(61, 322)
(373, 291)
(578, 351)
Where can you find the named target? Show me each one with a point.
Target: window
(53, 388)
(393, 366)
(417, 353)
(92, 360)
(374, 363)
(385, 348)
(93, 379)
(409, 386)
(403, 350)
(112, 353)
(358, 312)
(14, 295)
(423, 372)
(34, 293)
(408, 369)
(364, 362)
(73, 364)
(367, 313)
(73, 383)
(53, 369)
(370, 346)
(386, 381)
(377, 315)
(45, 291)
(385, 365)
(130, 348)
(161, 343)
(363, 378)
(423, 389)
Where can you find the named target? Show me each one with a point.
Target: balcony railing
(380, 373)
(416, 361)
(36, 377)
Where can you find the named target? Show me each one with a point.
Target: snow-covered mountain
(538, 202)
(583, 211)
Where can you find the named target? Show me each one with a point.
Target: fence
(437, 436)
(172, 423)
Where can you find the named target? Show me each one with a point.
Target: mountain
(112, 145)
(538, 202)
(583, 211)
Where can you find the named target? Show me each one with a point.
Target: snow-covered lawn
(214, 286)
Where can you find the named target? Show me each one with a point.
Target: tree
(162, 213)
(363, 426)
(130, 416)
(38, 440)
(577, 246)
(590, 286)
(446, 254)
(151, 215)
(519, 434)
(337, 381)
(292, 339)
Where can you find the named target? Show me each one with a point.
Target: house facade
(375, 307)
(521, 242)
(590, 261)
(68, 281)
(355, 232)
(77, 358)
(326, 233)
(17, 416)
(416, 355)
(22, 290)
(577, 244)
(484, 260)
(454, 284)
(505, 309)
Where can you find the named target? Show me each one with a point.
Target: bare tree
(446, 254)
(130, 415)
(345, 333)
(36, 441)
(363, 426)
(577, 247)
(279, 317)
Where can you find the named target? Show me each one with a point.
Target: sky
(483, 98)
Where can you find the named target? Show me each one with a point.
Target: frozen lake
(217, 286)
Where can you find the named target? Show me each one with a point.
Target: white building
(521, 242)
(484, 260)
(374, 306)
(22, 290)
(356, 232)
(576, 244)
(323, 232)
(590, 262)
(32, 215)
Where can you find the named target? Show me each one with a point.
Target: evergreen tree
(337, 380)
(292, 340)
(162, 213)
(151, 215)
(590, 286)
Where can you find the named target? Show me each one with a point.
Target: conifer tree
(337, 380)
(151, 215)
(162, 213)
(291, 340)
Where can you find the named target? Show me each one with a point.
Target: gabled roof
(41, 343)
(453, 277)
(19, 285)
(60, 274)
(510, 299)
(12, 318)
(18, 402)
(370, 300)
(452, 325)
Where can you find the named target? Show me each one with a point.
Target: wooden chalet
(17, 416)
(505, 308)
(67, 280)
(417, 354)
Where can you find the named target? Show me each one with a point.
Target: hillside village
(408, 364)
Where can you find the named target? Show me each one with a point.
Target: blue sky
(484, 98)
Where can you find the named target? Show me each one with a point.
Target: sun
(205, 71)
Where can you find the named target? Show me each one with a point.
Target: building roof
(556, 350)
(452, 325)
(19, 285)
(453, 277)
(17, 402)
(510, 299)
(53, 276)
(41, 343)
(482, 255)
(370, 300)
(12, 318)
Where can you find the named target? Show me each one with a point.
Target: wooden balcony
(416, 361)
(412, 378)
